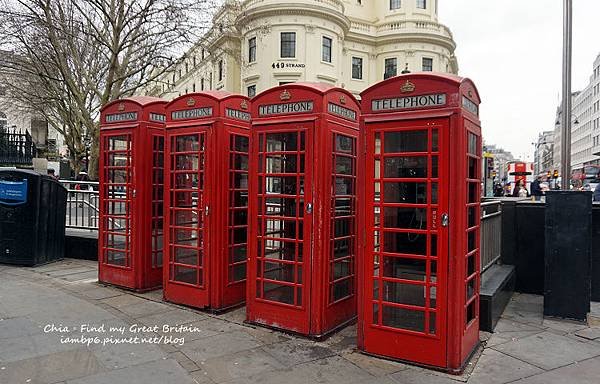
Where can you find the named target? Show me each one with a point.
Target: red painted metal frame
(221, 212)
(141, 121)
(309, 293)
(456, 333)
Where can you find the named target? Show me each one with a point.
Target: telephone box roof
(321, 88)
(445, 77)
(142, 101)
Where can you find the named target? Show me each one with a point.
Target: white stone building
(585, 125)
(544, 153)
(257, 44)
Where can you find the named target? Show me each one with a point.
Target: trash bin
(32, 218)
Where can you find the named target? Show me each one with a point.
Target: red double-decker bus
(519, 170)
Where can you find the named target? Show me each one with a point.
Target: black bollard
(567, 280)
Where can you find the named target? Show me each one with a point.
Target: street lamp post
(565, 166)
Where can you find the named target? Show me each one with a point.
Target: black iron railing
(16, 147)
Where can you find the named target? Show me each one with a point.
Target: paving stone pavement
(525, 348)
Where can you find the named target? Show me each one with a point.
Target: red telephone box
(419, 296)
(303, 209)
(131, 188)
(206, 200)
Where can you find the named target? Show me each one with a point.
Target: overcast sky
(512, 49)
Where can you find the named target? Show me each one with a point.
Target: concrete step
(594, 315)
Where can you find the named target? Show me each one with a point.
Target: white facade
(544, 153)
(585, 124)
(257, 44)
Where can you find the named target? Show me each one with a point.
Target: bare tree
(70, 57)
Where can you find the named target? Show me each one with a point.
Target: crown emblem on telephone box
(191, 102)
(408, 87)
(342, 99)
(285, 95)
(244, 104)
(121, 107)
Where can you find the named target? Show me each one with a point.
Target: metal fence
(16, 148)
(82, 204)
(491, 233)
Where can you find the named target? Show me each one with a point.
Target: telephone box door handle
(309, 208)
(445, 220)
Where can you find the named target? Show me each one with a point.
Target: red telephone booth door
(406, 255)
(283, 231)
(186, 214)
(116, 243)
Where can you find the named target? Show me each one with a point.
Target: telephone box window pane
(241, 143)
(432, 323)
(277, 142)
(434, 246)
(240, 217)
(406, 167)
(280, 250)
(116, 241)
(407, 218)
(117, 160)
(116, 258)
(186, 256)
(375, 314)
(278, 292)
(473, 148)
(433, 271)
(473, 192)
(471, 265)
(186, 237)
(405, 193)
(434, 167)
(280, 228)
(284, 185)
(117, 208)
(187, 143)
(279, 271)
(471, 241)
(118, 175)
(342, 269)
(238, 254)
(344, 144)
(186, 180)
(185, 218)
(240, 180)
(185, 199)
(240, 235)
(376, 289)
(471, 288)
(472, 216)
(473, 168)
(343, 206)
(237, 273)
(280, 206)
(343, 165)
(241, 162)
(341, 248)
(344, 186)
(282, 164)
(118, 143)
(186, 275)
(405, 243)
(434, 193)
(343, 227)
(187, 162)
(376, 239)
(377, 172)
(406, 141)
(403, 319)
(471, 312)
(434, 141)
(408, 294)
(378, 143)
(342, 289)
(240, 199)
(403, 268)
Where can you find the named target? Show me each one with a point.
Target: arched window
(3, 119)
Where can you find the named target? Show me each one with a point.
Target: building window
(252, 90)
(391, 68)
(210, 81)
(252, 50)
(202, 84)
(357, 67)
(286, 82)
(394, 4)
(326, 50)
(422, 4)
(193, 87)
(194, 61)
(427, 64)
(187, 67)
(288, 44)
(220, 70)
